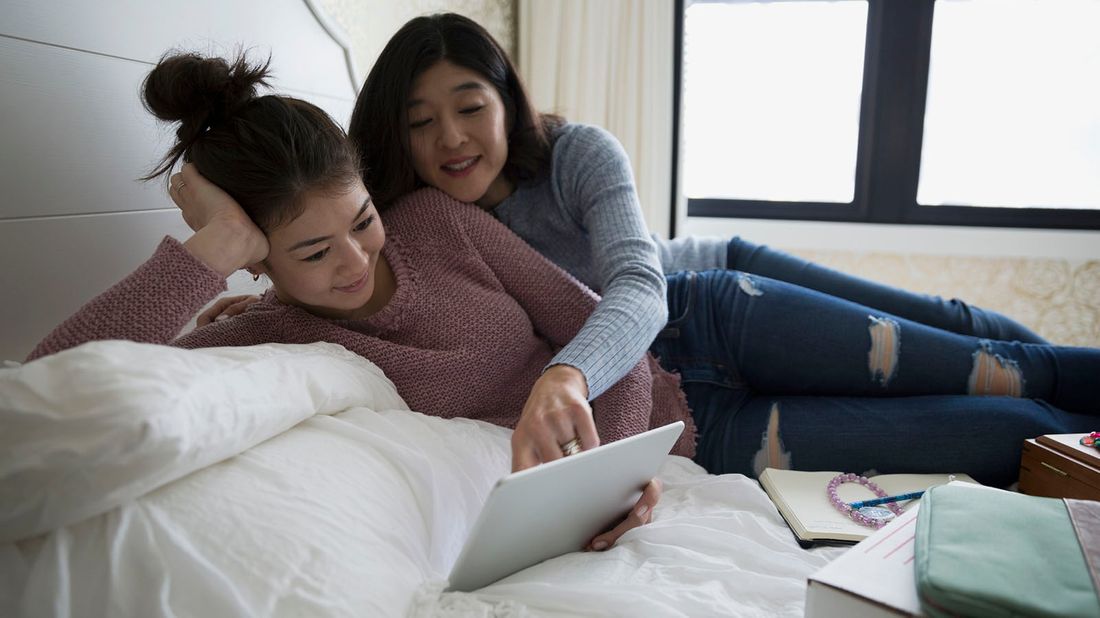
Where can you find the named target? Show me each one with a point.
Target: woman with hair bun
(455, 309)
(783, 363)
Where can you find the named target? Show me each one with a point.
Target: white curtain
(608, 63)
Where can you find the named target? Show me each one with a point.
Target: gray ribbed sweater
(585, 217)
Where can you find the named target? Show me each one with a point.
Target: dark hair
(379, 124)
(264, 151)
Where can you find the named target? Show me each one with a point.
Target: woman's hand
(225, 237)
(226, 307)
(197, 198)
(556, 412)
(640, 515)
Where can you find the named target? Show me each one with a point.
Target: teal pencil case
(988, 552)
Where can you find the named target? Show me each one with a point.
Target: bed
(141, 480)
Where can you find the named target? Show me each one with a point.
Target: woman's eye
(316, 257)
(416, 124)
(472, 110)
(364, 224)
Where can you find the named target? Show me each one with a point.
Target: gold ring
(571, 447)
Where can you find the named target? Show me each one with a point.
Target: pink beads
(845, 508)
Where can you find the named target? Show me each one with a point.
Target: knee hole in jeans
(882, 359)
(993, 374)
(771, 453)
(748, 286)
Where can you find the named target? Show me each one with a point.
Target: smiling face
(458, 135)
(326, 260)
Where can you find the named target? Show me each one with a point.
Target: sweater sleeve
(557, 305)
(151, 305)
(594, 182)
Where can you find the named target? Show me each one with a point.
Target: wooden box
(1057, 466)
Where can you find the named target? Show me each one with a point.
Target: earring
(255, 277)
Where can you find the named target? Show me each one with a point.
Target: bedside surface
(1070, 445)
(1056, 466)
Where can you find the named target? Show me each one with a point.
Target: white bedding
(139, 480)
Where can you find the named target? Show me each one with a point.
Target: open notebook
(803, 502)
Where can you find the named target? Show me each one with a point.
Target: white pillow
(93, 427)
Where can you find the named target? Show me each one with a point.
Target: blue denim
(752, 350)
(952, 315)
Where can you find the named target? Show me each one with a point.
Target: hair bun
(198, 91)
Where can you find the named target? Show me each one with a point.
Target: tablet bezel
(557, 507)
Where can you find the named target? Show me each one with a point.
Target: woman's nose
(353, 257)
(451, 134)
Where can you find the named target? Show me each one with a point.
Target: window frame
(891, 129)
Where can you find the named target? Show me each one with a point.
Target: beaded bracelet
(856, 514)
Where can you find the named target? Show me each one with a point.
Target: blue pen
(887, 499)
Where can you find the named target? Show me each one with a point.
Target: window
(961, 112)
(794, 137)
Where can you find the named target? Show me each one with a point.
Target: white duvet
(141, 480)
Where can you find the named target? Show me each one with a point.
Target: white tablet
(557, 507)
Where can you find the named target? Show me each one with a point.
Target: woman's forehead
(321, 209)
(446, 78)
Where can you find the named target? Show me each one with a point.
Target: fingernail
(642, 510)
(599, 545)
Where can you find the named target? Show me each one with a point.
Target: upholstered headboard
(74, 137)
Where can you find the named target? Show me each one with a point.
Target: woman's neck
(385, 285)
(497, 192)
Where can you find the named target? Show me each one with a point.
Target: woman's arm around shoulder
(595, 183)
(557, 409)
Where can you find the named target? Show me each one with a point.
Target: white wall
(74, 137)
(368, 24)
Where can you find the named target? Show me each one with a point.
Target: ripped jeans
(953, 315)
(778, 375)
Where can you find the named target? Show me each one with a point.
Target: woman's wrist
(223, 248)
(567, 376)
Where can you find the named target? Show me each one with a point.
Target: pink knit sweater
(476, 317)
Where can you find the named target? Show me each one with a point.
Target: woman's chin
(462, 191)
(358, 305)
